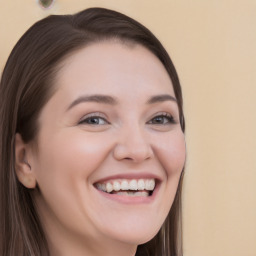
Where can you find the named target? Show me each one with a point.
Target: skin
(72, 153)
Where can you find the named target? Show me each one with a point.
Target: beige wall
(213, 45)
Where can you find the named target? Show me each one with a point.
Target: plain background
(212, 44)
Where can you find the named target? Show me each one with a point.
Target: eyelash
(86, 120)
(170, 119)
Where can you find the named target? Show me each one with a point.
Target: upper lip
(130, 176)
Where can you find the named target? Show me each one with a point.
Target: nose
(133, 145)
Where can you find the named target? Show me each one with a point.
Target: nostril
(128, 158)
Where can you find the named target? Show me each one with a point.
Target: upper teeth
(117, 185)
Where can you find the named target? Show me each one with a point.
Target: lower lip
(125, 199)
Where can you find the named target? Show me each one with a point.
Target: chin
(133, 234)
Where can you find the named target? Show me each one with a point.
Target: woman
(92, 140)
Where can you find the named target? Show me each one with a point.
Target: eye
(94, 119)
(162, 119)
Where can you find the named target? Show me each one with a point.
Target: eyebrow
(106, 99)
(161, 98)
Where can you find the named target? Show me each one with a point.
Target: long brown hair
(27, 84)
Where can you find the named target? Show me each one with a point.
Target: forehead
(109, 66)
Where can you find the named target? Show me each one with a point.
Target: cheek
(73, 153)
(66, 162)
(171, 152)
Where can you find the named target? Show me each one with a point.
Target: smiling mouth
(125, 187)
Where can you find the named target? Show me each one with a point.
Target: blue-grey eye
(94, 120)
(162, 119)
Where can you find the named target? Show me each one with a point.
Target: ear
(23, 167)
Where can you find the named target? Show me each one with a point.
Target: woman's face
(112, 124)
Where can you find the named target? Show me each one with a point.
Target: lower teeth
(139, 193)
